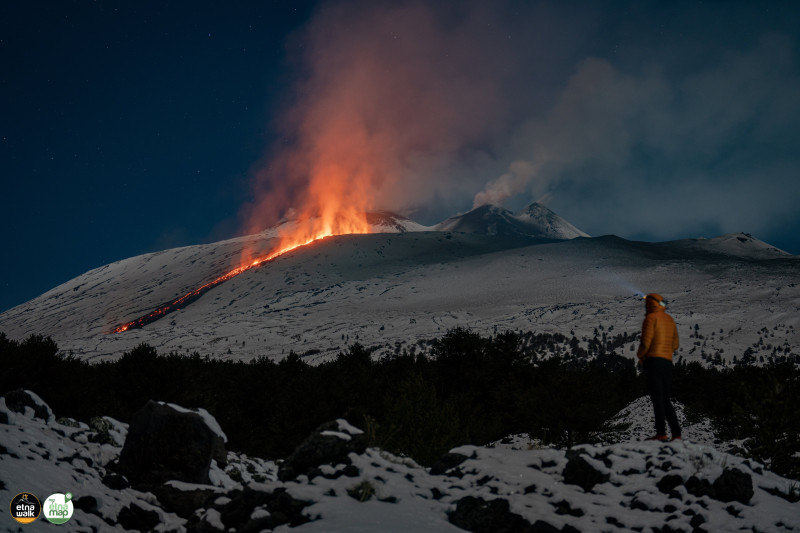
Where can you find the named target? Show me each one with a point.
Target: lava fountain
(351, 141)
(306, 231)
(334, 202)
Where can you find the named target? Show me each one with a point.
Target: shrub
(462, 388)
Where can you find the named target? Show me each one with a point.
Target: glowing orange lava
(301, 233)
(331, 181)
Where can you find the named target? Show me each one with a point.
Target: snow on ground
(49, 456)
(642, 486)
(396, 290)
(406, 283)
(46, 457)
(636, 422)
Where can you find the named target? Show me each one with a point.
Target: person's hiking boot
(661, 438)
(673, 439)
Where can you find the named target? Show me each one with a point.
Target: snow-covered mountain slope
(736, 244)
(386, 222)
(391, 290)
(534, 221)
(549, 224)
(626, 486)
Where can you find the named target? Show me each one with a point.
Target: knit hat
(655, 301)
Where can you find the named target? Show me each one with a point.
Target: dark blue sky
(131, 127)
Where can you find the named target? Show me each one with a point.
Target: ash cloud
(712, 150)
(639, 119)
(410, 102)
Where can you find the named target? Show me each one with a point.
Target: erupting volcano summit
(291, 236)
(399, 282)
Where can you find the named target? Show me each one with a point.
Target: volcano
(401, 283)
(535, 221)
(488, 220)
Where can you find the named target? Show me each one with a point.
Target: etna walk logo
(25, 508)
(58, 508)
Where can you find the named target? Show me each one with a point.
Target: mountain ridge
(536, 221)
(406, 286)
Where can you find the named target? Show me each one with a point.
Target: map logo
(58, 508)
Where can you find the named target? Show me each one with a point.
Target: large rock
(733, 485)
(183, 502)
(447, 463)
(699, 487)
(135, 517)
(241, 513)
(249, 510)
(167, 442)
(19, 400)
(493, 516)
(583, 470)
(330, 444)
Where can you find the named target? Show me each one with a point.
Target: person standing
(658, 342)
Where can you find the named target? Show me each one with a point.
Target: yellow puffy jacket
(659, 333)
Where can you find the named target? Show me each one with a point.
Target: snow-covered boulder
(330, 444)
(167, 442)
(25, 401)
(635, 486)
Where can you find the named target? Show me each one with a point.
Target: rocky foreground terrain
(169, 471)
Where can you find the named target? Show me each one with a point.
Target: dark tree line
(459, 389)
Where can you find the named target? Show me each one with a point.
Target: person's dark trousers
(658, 374)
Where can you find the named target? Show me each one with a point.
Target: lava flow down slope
(395, 283)
(301, 235)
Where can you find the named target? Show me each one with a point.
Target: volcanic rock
(241, 511)
(331, 443)
(183, 502)
(87, 504)
(479, 516)
(18, 400)
(165, 443)
(699, 487)
(733, 485)
(446, 463)
(136, 517)
(580, 471)
(667, 483)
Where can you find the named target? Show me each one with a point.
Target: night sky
(132, 127)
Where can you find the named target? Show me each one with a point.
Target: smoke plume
(433, 107)
(397, 98)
